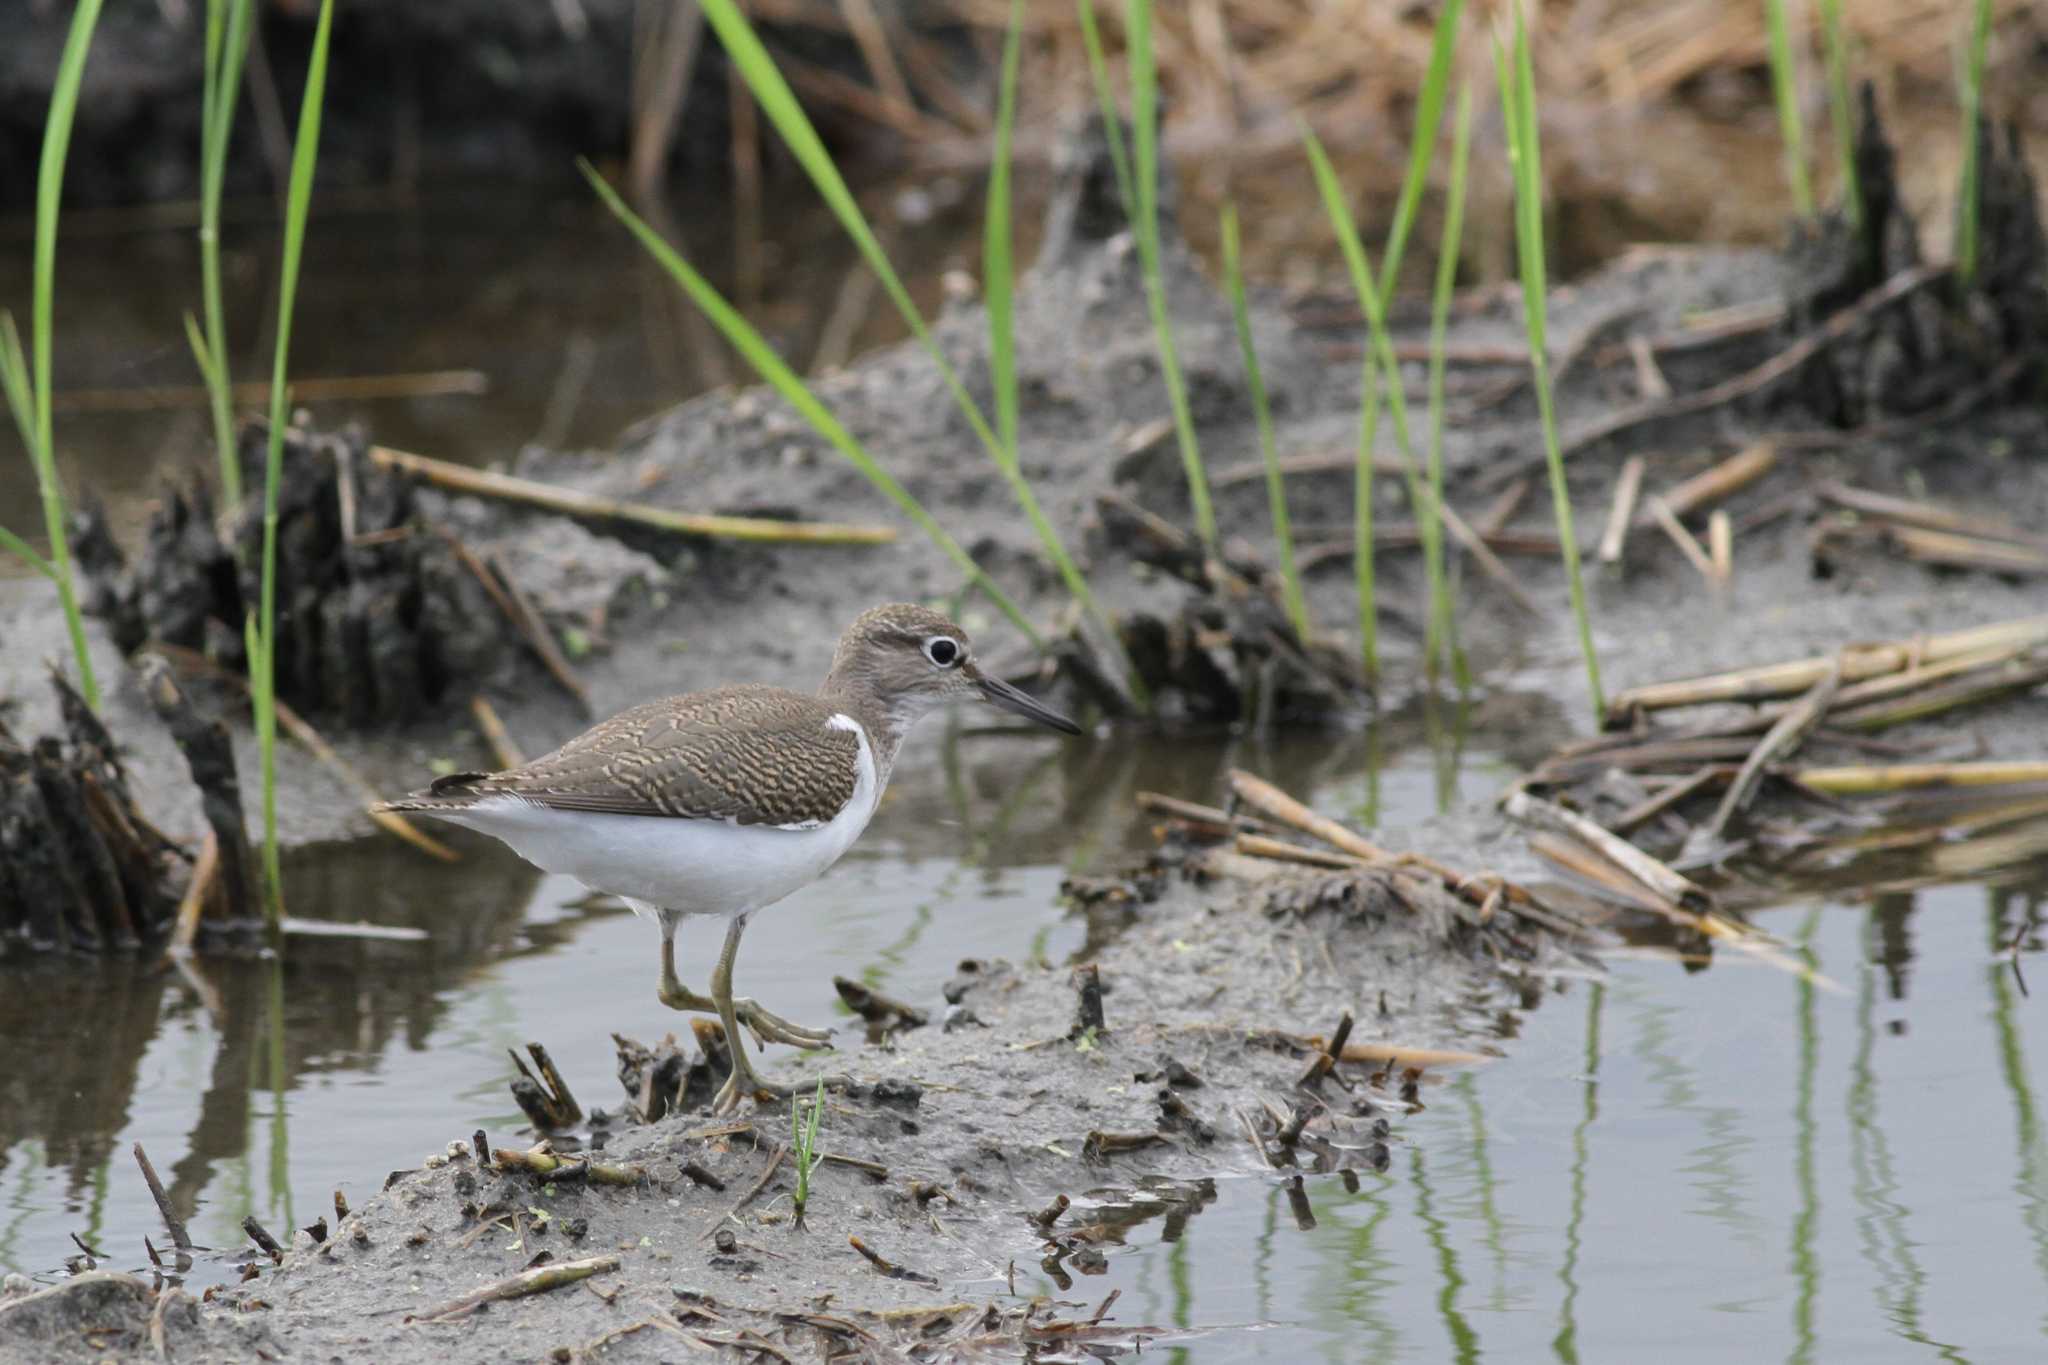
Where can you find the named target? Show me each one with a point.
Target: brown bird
(725, 801)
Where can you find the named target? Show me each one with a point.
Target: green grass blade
(49, 191)
(1842, 115)
(751, 60)
(18, 385)
(1785, 90)
(1276, 487)
(754, 348)
(1429, 117)
(1973, 111)
(999, 291)
(264, 709)
(753, 64)
(227, 45)
(1145, 171)
(202, 356)
(1518, 110)
(34, 383)
(298, 198)
(1381, 370)
(1105, 98)
(28, 553)
(1449, 247)
(998, 280)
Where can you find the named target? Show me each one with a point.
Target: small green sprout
(804, 1137)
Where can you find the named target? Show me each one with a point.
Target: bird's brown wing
(754, 756)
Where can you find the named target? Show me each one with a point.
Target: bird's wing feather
(754, 756)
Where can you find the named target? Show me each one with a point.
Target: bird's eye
(942, 651)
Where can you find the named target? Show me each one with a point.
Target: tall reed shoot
(1449, 247)
(227, 44)
(28, 386)
(261, 630)
(1841, 113)
(1105, 99)
(1785, 91)
(1379, 367)
(999, 288)
(754, 348)
(1429, 117)
(1144, 78)
(1276, 487)
(751, 61)
(1972, 78)
(1517, 76)
(1379, 355)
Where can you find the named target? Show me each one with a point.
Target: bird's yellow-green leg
(767, 1027)
(744, 1080)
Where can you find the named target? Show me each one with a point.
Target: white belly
(691, 867)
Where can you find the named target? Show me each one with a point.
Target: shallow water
(1677, 1167)
(1669, 1162)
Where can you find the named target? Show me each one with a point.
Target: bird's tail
(456, 791)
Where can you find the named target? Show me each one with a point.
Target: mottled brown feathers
(752, 755)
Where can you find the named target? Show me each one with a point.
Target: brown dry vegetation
(1636, 99)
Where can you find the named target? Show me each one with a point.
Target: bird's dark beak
(1000, 693)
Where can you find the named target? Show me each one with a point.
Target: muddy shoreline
(1004, 1109)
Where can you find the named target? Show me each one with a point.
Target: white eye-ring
(942, 650)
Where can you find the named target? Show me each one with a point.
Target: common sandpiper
(725, 801)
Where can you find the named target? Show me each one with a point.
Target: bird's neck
(885, 725)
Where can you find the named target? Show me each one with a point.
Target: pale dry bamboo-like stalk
(1710, 486)
(1628, 488)
(577, 503)
(1968, 551)
(1769, 682)
(1931, 516)
(1279, 850)
(1657, 878)
(1667, 521)
(1868, 780)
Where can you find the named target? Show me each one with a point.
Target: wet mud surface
(953, 1133)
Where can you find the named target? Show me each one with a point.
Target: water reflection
(2030, 1179)
(89, 1056)
(1450, 1280)
(1805, 1264)
(1886, 1242)
(1565, 1345)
